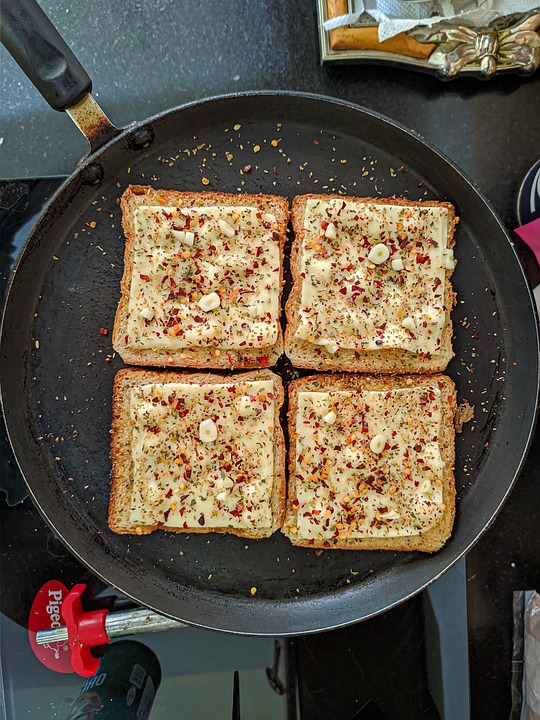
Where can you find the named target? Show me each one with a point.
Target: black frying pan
(56, 378)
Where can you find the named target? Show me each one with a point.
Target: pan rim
(349, 591)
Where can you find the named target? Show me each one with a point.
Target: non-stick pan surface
(57, 365)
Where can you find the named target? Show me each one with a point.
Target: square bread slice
(202, 279)
(371, 285)
(197, 453)
(371, 462)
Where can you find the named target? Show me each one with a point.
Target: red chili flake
(475, 335)
(166, 514)
(168, 494)
(319, 552)
(275, 170)
(201, 520)
(104, 331)
(263, 361)
(247, 168)
(343, 291)
(167, 214)
(146, 278)
(421, 259)
(198, 319)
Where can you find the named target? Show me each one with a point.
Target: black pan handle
(38, 48)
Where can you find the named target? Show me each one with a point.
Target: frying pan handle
(40, 51)
(37, 47)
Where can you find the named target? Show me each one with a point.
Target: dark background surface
(146, 57)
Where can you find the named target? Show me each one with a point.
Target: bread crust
(121, 456)
(433, 538)
(196, 357)
(387, 360)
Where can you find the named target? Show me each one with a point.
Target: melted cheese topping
(344, 488)
(234, 253)
(183, 481)
(349, 300)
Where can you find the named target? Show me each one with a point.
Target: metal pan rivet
(92, 174)
(141, 138)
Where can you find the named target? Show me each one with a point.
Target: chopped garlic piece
(330, 417)
(426, 487)
(378, 254)
(330, 231)
(147, 313)
(208, 430)
(390, 515)
(183, 237)
(209, 302)
(226, 228)
(245, 406)
(448, 257)
(397, 264)
(377, 444)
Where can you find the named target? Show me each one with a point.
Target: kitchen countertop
(146, 57)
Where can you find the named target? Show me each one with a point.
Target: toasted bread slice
(202, 279)
(350, 307)
(371, 462)
(197, 453)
